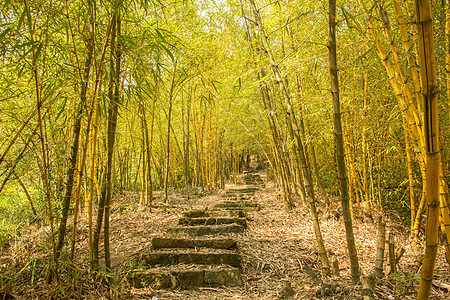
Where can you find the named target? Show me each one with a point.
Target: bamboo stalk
(379, 260)
(392, 260)
(339, 143)
(427, 62)
(294, 131)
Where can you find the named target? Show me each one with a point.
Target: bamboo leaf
(213, 83)
(239, 84)
(22, 17)
(4, 33)
(6, 3)
(63, 106)
(313, 67)
(167, 51)
(363, 56)
(38, 50)
(350, 19)
(33, 46)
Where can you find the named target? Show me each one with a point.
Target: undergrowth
(15, 214)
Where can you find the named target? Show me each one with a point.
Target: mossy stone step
(172, 278)
(206, 230)
(214, 213)
(169, 258)
(237, 205)
(212, 221)
(159, 243)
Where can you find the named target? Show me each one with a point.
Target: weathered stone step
(206, 230)
(171, 257)
(159, 243)
(247, 190)
(214, 213)
(212, 221)
(238, 194)
(237, 205)
(256, 183)
(236, 197)
(174, 277)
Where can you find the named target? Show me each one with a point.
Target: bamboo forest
(224, 149)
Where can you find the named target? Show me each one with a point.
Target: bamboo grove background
(103, 97)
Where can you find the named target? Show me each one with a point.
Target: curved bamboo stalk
(294, 131)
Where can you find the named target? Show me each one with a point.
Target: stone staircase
(202, 250)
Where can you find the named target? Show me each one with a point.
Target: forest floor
(275, 249)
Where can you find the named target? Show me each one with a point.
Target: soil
(277, 249)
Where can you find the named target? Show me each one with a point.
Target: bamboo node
(421, 22)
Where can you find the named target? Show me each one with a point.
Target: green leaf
(363, 56)
(22, 17)
(38, 51)
(4, 33)
(167, 51)
(6, 4)
(213, 82)
(313, 67)
(349, 17)
(63, 106)
(239, 84)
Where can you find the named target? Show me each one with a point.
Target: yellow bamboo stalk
(424, 21)
(405, 105)
(410, 175)
(351, 167)
(444, 210)
(93, 175)
(364, 144)
(447, 47)
(401, 78)
(408, 50)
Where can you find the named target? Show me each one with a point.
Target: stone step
(238, 205)
(214, 213)
(212, 221)
(172, 257)
(252, 180)
(247, 190)
(206, 230)
(159, 243)
(237, 194)
(236, 197)
(179, 278)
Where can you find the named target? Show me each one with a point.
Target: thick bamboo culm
(424, 21)
(368, 286)
(392, 260)
(335, 266)
(379, 260)
(417, 263)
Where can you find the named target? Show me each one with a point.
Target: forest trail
(201, 262)
(273, 252)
